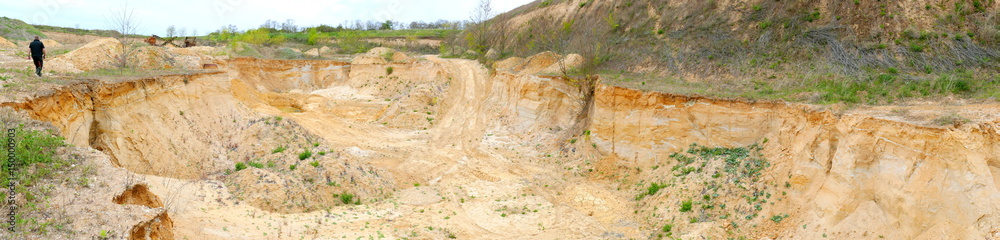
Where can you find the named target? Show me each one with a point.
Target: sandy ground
(440, 148)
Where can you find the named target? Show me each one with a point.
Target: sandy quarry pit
(438, 148)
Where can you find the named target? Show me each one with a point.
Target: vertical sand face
(439, 148)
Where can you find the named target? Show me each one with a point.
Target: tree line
(289, 26)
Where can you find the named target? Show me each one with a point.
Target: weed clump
(304, 155)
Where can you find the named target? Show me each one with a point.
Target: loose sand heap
(6, 44)
(380, 55)
(104, 52)
(541, 63)
(49, 43)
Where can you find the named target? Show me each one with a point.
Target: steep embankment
(439, 148)
(767, 41)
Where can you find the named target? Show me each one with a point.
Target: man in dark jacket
(37, 54)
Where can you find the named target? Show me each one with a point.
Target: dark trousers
(39, 62)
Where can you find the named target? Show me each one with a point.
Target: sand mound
(400, 57)
(568, 63)
(381, 51)
(151, 57)
(192, 57)
(542, 63)
(49, 43)
(101, 54)
(95, 55)
(6, 44)
(377, 56)
(539, 62)
(508, 64)
(312, 52)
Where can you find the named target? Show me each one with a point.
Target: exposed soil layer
(440, 148)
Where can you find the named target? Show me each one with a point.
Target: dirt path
(455, 179)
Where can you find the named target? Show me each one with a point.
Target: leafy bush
(304, 155)
(686, 205)
(240, 166)
(259, 37)
(346, 198)
(314, 37)
(653, 188)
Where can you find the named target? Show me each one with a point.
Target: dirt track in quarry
(440, 148)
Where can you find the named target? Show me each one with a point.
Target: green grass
(346, 198)
(418, 33)
(686, 205)
(102, 33)
(36, 159)
(874, 88)
(37, 168)
(255, 164)
(304, 155)
(14, 29)
(240, 166)
(279, 149)
(314, 163)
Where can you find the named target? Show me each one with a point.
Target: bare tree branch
(126, 23)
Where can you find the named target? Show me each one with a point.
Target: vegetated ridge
(813, 51)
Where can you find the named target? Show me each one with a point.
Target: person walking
(37, 54)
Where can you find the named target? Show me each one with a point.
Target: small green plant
(765, 24)
(779, 217)
(668, 227)
(292, 167)
(812, 16)
(278, 149)
(686, 205)
(304, 155)
(388, 71)
(255, 164)
(346, 198)
(654, 188)
(314, 163)
(240, 166)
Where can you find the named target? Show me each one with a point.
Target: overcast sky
(209, 15)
